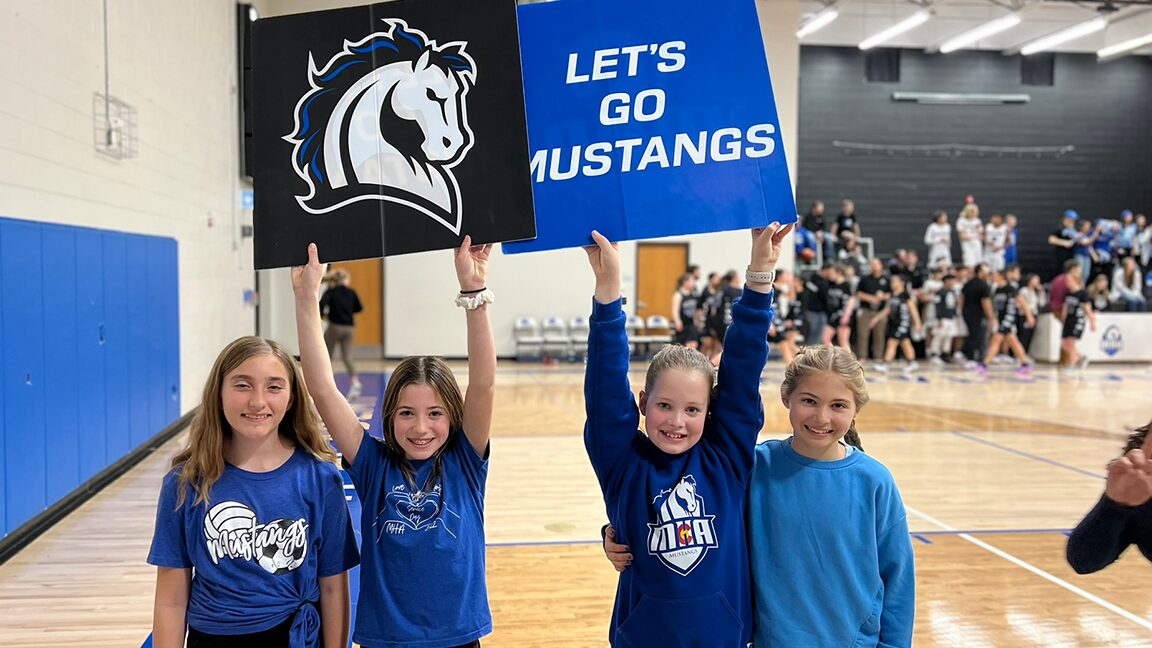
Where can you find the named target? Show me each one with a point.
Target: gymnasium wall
(121, 278)
(175, 62)
(1100, 111)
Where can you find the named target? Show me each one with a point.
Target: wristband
(751, 276)
(472, 302)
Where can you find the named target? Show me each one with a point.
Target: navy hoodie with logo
(682, 516)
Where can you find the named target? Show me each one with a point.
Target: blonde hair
(201, 462)
(834, 360)
(971, 209)
(678, 357)
(422, 370)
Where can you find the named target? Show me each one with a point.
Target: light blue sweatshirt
(831, 556)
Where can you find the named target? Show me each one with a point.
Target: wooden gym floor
(993, 472)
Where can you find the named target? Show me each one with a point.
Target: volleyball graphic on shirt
(683, 532)
(226, 518)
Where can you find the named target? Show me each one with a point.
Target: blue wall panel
(60, 349)
(140, 389)
(116, 346)
(157, 336)
(22, 308)
(171, 323)
(3, 447)
(89, 365)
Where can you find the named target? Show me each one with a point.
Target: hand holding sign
(604, 257)
(306, 279)
(767, 243)
(472, 265)
(1130, 476)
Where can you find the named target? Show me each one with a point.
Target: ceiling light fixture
(818, 21)
(1120, 49)
(977, 34)
(1064, 35)
(909, 23)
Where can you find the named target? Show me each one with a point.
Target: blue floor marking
(1029, 455)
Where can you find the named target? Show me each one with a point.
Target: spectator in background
(872, 293)
(1128, 287)
(1082, 250)
(938, 238)
(914, 274)
(1010, 250)
(971, 233)
(339, 305)
(995, 242)
(1103, 246)
(815, 302)
(847, 221)
(814, 222)
(1032, 292)
(852, 255)
(976, 310)
(1100, 293)
(1125, 241)
(806, 243)
(1063, 238)
(1059, 288)
(1143, 241)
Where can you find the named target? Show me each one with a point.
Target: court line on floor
(1027, 455)
(935, 533)
(1088, 596)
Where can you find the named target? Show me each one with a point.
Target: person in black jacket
(339, 304)
(1123, 516)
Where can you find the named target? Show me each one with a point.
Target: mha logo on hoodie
(683, 532)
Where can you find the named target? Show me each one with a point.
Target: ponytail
(852, 437)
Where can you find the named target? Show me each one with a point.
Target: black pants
(1025, 334)
(973, 348)
(272, 638)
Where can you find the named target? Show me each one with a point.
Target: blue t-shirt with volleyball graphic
(422, 582)
(258, 546)
(682, 516)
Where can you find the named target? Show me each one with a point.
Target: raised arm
(472, 273)
(737, 410)
(334, 409)
(610, 407)
(1106, 531)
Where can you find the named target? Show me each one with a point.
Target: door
(366, 278)
(658, 268)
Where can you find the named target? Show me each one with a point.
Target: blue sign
(1112, 341)
(649, 118)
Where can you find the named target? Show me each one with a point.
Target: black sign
(387, 129)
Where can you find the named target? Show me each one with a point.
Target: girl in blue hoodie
(679, 490)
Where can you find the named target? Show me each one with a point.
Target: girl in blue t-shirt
(422, 486)
(253, 540)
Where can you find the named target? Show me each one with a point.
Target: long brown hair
(423, 370)
(834, 360)
(201, 462)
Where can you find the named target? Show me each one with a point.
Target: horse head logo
(386, 119)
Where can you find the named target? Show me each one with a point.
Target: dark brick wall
(1103, 110)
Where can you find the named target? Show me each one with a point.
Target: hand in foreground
(1130, 476)
(617, 553)
(306, 278)
(604, 258)
(472, 265)
(767, 243)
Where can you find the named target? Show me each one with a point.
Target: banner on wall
(387, 129)
(649, 118)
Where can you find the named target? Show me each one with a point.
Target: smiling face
(821, 409)
(255, 397)
(421, 422)
(675, 409)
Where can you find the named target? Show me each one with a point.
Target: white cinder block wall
(175, 62)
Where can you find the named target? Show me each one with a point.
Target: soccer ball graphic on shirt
(285, 553)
